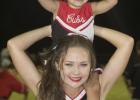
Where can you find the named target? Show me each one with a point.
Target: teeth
(75, 78)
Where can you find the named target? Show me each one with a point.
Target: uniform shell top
(70, 20)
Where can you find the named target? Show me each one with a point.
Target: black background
(18, 16)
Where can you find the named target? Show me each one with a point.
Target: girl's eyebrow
(84, 61)
(68, 61)
(73, 61)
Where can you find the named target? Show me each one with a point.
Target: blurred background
(18, 16)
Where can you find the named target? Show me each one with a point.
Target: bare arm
(103, 6)
(92, 87)
(50, 5)
(22, 62)
(118, 62)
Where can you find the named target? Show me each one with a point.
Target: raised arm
(103, 6)
(22, 62)
(118, 62)
(50, 5)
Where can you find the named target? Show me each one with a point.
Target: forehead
(77, 54)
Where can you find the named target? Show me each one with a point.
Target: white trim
(77, 30)
(79, 97)
(85, 24)
(79, 27)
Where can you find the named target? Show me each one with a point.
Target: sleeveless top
(81, 96)
(70, 20)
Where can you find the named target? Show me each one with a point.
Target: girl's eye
(68, 64)
(84, 65)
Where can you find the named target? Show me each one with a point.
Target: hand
(92, 87)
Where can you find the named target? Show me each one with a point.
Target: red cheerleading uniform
(70, 20)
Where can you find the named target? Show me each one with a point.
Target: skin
(116, 64)
(76, 69)
(97, 7)
(76, 3)
(123, 44)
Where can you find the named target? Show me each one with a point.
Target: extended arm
(103, 6)
(50, 5)
(22, 62)
(118, 62)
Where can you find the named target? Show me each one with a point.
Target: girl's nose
(76, 70)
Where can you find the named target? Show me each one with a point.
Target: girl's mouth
(75, 79)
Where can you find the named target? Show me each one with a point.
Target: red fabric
(74, 17)
(9, 84)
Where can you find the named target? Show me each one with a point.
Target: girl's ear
(57, 66)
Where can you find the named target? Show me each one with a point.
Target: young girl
(75, 16)
(70, 66)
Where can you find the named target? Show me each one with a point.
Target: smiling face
(68, 66)
(76, 3)
(76, 67)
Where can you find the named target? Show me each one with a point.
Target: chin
(75, 86)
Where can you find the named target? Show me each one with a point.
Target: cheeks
(74, 81)
(76, 67)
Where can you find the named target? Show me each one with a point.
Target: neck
(72, 92)
(73, 6)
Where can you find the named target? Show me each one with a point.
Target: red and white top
(72, 20)
(81, 96)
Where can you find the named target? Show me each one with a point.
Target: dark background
(18, 16)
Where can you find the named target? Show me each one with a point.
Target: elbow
(41, 2)
(130, 40)
(126, 44)
(114, 2)
(10, 44)
(129, 43)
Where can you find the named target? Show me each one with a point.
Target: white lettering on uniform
(72, 18)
